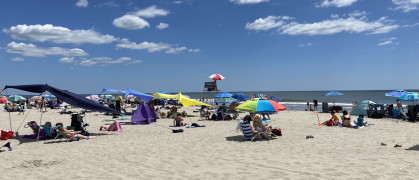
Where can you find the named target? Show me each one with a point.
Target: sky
(174, 45)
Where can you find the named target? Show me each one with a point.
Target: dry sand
(216, 151)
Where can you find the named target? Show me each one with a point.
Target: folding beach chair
(247, 132)
(61, 132)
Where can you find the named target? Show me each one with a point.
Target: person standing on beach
(315, 104)
(399, 106)
(42, 104)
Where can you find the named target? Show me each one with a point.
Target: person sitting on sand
(346, 119)
(260, 126)
(247, 125)
(178, 121)
(333, 121)
(360, 121)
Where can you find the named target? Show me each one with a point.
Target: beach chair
(247, 132)
(61, 132)
(203, 115)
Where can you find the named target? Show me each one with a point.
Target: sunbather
(260, 126)
(72, 134)
(178, 121)
(333, 121)
(346, 119)
(246, 125)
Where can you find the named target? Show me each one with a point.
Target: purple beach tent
(144, 115)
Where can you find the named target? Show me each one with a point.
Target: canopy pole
(10, 118)
(40, 121)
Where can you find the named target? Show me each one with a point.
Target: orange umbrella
(3, 100)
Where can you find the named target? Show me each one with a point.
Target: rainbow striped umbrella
(260, 105)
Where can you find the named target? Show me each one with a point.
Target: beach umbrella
(3, 100)
(51, 96)
(397, 93)
(225, 100)
(260, 105)
(223, 95)
(108, 96)
(15, 98)
(36, 97)
(163, 92)
(241, 97)
(333, 93)
(410, 96)
(216, 77)
(93, 97)
(119, 98)
(273, 98)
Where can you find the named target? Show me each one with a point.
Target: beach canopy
(65, 96)
(410, 96)
(274, 98)
(333, 93)
(144, 115)
(241, 97)
(112, 90)
(397, 93)
(181, 98)
(144, 97)
(362, 108)
(260, 105)
(223, 95)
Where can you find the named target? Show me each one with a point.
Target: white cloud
(177, 2)
(149, 46)
(82, 3)
(34, 51)
(176, 50)
(306, 44)
(248, 1)
(162, 26)
(264, 24)
(67, 60)
(388, 41)
(130, 22)
(57, 34)
(110, 4)
(332, 26)
(194, 50)
(153, 47)
(18, 59)
(336, 3)
(104, 61)
(150, 12)
(406, 5)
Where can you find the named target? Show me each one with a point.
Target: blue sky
(153, 45)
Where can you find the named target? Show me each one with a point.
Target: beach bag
(277, 131)
(6, 134)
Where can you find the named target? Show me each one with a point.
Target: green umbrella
(15, 98)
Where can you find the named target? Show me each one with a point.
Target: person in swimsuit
(346, 119)
(178, 121)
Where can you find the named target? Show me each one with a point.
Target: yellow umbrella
(181, 98)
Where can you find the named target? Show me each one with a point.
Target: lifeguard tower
(211, 88)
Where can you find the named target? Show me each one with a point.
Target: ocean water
(297, 100)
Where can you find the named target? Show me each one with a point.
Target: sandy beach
(216, 151)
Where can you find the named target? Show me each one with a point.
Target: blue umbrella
(15, 98)
(333, 93)
(163, 92)
(241, 97)
(225, 100)
(223, 95)
(410, 96)
(397, 93)
(273, 98)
